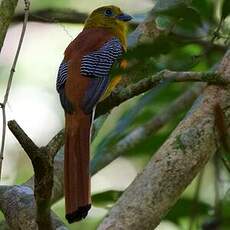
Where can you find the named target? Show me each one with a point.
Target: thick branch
(174, 166)
(42, 163)
(18, 203)
(18, 206)
(7, 8)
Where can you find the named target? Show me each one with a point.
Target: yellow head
(111, 18)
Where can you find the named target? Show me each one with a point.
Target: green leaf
(183, 58)
(192, 14)
(185, 207)
(183, 12)
(225, 9)
(206, 7)
(226, 205)
(161, 45)
(106, 198)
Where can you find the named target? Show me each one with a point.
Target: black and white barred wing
(62, 76)
(97, 65)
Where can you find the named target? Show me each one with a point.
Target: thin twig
(217, 31)
(6, 96)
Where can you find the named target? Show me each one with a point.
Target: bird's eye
(108, 12)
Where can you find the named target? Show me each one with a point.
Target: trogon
(83, 80)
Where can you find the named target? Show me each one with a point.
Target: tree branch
(56, 143)
(56, 15)
(151, 195)
(18, 206)
(140, 87)
(25, 211)
(150, 82)
(6, 14)
(42, 162)
(28, 145)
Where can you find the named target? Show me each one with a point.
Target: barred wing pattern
(95, 65)
(99, 63)
(62, 76)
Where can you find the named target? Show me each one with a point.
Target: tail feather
(76, 167)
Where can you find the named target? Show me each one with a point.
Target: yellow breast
(114, 82)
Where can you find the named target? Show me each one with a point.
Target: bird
(83, 80)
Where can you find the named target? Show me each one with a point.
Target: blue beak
(124, 17)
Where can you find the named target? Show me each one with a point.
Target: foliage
(106, 199)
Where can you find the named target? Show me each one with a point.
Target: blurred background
(34, 103)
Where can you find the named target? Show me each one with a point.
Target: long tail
(76, 167)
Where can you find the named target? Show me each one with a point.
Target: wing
(60, 85)
(97, 65)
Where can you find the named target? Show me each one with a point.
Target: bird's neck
(120, 33)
